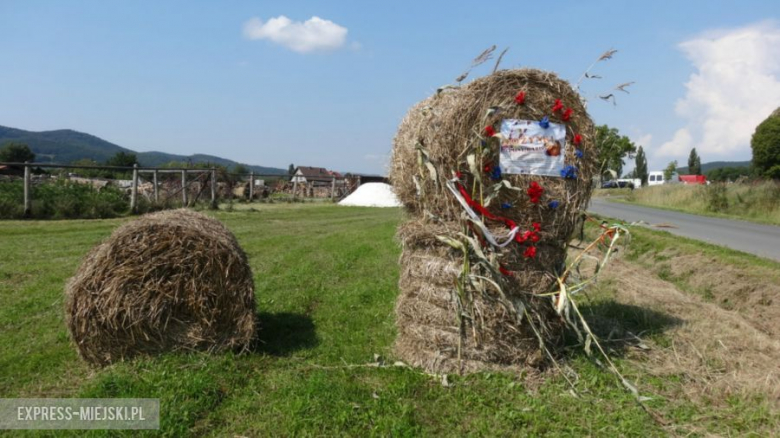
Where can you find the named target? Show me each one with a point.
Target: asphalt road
(761, 240)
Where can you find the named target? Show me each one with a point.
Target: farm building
(315, 175)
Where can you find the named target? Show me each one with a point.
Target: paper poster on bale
(527, 148)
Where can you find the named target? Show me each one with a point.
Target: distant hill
(706, 167)
(62, 145)
(65, 146)
(159, 158)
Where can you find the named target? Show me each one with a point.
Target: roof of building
(318, 173)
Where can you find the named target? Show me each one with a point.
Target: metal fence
(181, 186)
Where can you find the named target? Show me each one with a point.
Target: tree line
(613, 149)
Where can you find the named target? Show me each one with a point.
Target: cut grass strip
(326, 280)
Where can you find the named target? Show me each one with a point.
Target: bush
(773, 172)
(716, 198)
(62, 200)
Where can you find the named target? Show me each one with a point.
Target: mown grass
(757, 202)
(326, 280)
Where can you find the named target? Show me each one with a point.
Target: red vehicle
(693, 179)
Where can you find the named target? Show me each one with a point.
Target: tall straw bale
(449, 316)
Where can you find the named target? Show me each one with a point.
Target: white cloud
(680, 144)
(736, 85)
(644, 140)
(303, 37)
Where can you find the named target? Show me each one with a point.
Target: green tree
(723, 174)
(773, 172)
(694, 163)
(766, 147)
(641, 166)
(88, 172)
(240, 168)
(15, 152)
(612, 148)
(670, 170)
(123, 159)
(291, 169)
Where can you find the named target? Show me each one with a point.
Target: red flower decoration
(520, 98)
(530, 235)
(558, 106)
(504, 271)
(567, 114)
(489, 131)
(530, 252)
(535, 192)
(577, 139)
(537, 226)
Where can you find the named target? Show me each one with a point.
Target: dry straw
(173, 280)
(457, 311)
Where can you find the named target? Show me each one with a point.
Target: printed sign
(79, 413)
(529, 149)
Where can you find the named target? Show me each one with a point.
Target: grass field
(757, 202)
(326, 280)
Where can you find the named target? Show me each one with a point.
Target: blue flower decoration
(496, 173)
(578, 153)
(484, 143)
(506, 205)
(569, 172)
(553, 204)
(545, 122)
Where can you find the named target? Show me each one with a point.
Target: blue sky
(215, 77)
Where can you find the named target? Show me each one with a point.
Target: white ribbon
(474, 218)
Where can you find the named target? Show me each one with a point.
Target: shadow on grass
(282, 334)
(620, 327)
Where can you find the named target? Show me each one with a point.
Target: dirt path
(717, 352)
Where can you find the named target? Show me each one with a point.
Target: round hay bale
(449, 122)
(432, 144)
(173, 280)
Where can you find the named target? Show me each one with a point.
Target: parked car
(617, 184)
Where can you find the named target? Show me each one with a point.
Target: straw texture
(173, 280)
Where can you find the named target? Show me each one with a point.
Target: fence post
(27, 209)
(213, 188)
(156, 193)
(333, 189)
(251, 186)
(184, 187)
(134, 190)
